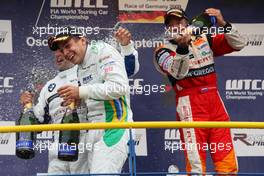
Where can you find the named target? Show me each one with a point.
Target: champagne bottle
(25, 140)
(197, 25)
(200, 22)
(69, 140)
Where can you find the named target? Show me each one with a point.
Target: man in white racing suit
(104, 87)
(49, 109)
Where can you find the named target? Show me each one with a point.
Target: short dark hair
(175, 12)
(66, 34)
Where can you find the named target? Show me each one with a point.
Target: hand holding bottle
(69, 93)
(26, 97)
(217, 13)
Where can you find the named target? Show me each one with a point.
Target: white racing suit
(49, 110)
(105, 89)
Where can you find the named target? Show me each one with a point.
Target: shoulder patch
(51, 87)
(199, 41)
(104, 58)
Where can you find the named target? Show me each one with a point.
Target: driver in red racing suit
(188, 61)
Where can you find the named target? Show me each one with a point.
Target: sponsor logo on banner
(254, 36)
(7, 140)
(171, 140)
(147, 5)
(45, 135)
(6, 84)
(249, 89)
(77, 10)
(2, 36)
(147, 11)
(141, 142)
(43, 141)
(6, 37)
(138, 87)
(248, 142)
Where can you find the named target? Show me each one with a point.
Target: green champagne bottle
(202, 22)
(25, 140)
(69, 140)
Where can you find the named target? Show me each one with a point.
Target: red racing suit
(197, 98)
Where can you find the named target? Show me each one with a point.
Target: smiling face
(60, 61)
(74, 49)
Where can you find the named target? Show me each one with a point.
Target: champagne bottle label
(69, 150)
(24, 144)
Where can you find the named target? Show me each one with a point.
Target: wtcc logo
(78, 4)
(248, 89)
(172, 134)
(245, 84)
(77, 10)
(6, 84)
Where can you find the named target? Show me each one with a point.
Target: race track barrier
(134, 125)
(160, 124)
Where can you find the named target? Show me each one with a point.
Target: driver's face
(60, 61)
(177, 25)
(74, 49)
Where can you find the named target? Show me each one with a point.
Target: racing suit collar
(173, 42)
(63, 74)
(86, 57)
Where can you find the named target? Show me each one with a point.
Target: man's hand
(217, 13)
(69, 94)
(123, 36)
(25, 98)
(77, 102)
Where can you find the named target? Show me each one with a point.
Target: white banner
(7, 140)
(146, 5)
(141, 142)
(248, 142)
(254, 35)
(5, 37)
